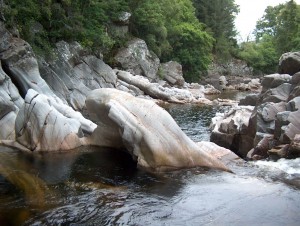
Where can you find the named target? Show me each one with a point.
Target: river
(93, 186)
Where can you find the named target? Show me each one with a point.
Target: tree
(219, 16)
(172, 31)
(277, 32)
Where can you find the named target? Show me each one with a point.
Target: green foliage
(261, 56)
(219, 16)
(172, 31)
(277, 32)
(85, 21)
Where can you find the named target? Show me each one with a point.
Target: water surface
(93, 186)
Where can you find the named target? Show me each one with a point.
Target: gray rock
(280, 122)
(7, 125)
(137, 59)
(172, 73)
(274, 80)
(249, 100)
(266, 115)
(289, 63)
(41, 126)
(264, 144)
(231, 130)
(289, 132)
(278, 94)
(145, 130)
(294, 104)
(156, 91)
(223, 81)
(73, 74)
(294, 149)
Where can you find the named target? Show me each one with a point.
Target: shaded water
(93, 186)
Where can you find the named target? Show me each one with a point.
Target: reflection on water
(93, 186)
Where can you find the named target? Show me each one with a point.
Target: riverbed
(93, 186)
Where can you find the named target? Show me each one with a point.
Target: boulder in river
(145, 130)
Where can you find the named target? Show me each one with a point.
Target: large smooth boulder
(145, 130)
(137, 59)
(289, 63)
(172, 73)
(41, 126)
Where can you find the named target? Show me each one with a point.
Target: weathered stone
(294, 149)
(274, 80)
(137, 59)
(281, 151)
(147, 132)
(172, 73)
(280, 121)
(289, 63)
(293, 128)
(156, 91)
(261, 149)
(73, 74)
(294, 104)
(222, 81)
(41, 126)
(210, 90)
(7, 125)
(249, 100)
(231, 130)
(266, 115)
(278, 94)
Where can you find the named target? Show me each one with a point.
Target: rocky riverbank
(42, 102)
(266, 124)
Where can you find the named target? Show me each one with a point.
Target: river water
(93, 186)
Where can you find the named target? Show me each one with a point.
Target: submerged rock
(145, 130)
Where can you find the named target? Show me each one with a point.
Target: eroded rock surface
(137, 59)
(145, 130)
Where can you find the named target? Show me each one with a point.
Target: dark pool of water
(93, 186)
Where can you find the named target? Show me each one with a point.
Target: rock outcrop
(72, 74)
(172, 73)
(40, 126)
(230, 130)
(138, 60)
(145, 130)
(289, 63)
(274, 124)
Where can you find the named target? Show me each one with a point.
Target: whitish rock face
(137, 59)
(146, 130)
